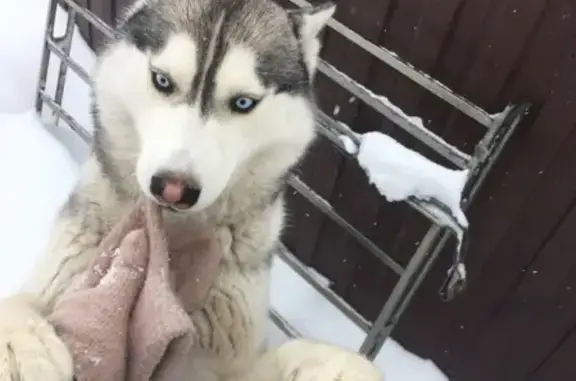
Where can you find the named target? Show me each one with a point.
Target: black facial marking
(287, 73)
(146, 29)
(224, 18)
(207, 94)
(204, 34)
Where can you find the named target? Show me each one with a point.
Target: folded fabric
(127, 317)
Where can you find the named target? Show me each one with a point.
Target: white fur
(236, 159)
(31, 350)
(311, 25)
(307, 360)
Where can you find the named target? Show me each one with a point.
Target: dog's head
(205, 89)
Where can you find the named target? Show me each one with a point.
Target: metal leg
(495, 146)
(283, 324)
(401, 295)
(49, 33)
(65, 44)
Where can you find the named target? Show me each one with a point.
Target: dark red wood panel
(106, 11)
(531, 212)
(533, 319)
(559, 365)
(513, 273)
(510, 184)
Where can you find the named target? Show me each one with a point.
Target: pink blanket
(127, 318)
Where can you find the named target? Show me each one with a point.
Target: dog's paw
(30, 350)
(307, 360)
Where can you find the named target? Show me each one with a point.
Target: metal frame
(499, 128)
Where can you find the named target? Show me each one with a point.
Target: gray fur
(101, 145)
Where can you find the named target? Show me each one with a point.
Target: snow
(42, 162)
(41, 173)
(416, 121)
(399, 173)
(20, 66)
(313, 316)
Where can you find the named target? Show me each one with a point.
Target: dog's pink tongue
(172, 192)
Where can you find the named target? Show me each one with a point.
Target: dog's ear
(308, 23)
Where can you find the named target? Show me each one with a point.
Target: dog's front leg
(309, 360)
(231, 327)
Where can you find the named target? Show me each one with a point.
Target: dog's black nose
(179, 191)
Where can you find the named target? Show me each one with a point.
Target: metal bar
(497, 121)
(325, 207)
(332, 129)
(75, 66)
(404, 290)
(65, 44)
(337, 126)
(91, 18)
(328, 294)
(384, 323)
(332, 136)
(494, 148)
(405, 122)
(45, 60)
(283, 324)
(433, 243)
(69, 119)
(509, 124)
(327, 125)
(374, 347)
(423, 79)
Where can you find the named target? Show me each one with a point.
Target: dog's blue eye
(162, 83)
(243, 104)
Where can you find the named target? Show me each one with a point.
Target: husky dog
(203, 106)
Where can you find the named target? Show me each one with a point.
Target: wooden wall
(517, 320)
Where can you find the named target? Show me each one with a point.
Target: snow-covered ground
(38, 172)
